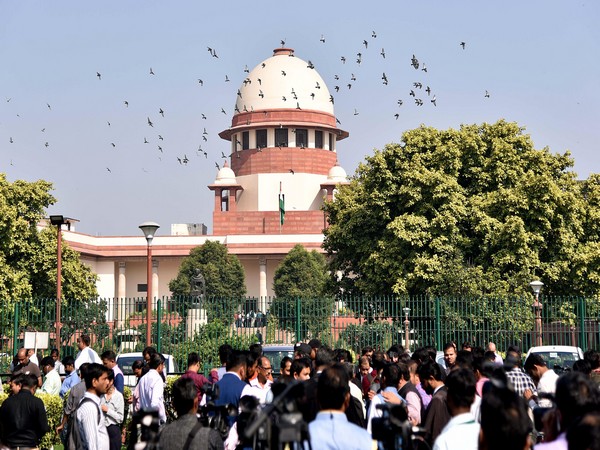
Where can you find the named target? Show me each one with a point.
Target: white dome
(225, 176)
(266, 86)
(337, 174)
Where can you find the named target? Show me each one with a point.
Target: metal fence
(181, 325)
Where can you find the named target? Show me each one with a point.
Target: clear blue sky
(539, 61)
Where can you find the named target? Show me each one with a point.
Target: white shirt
(52, 383)
(256, 390)
(151, 389)
(461, 433)
(547, 385)
(87, 355)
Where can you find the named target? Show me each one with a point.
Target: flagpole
(279, 203)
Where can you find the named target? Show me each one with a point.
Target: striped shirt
(93, 436)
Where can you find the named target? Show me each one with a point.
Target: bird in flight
(428, 90)
(46, 144)
(283, 73)
(343, 58)
(49, 107)
(204, 116)
(145, 141)
(412, 93)
(424, 69)
(396, 116)
(109, 169)
(400, 102)
(418, 102)
(373, 34)
(99, 75)
(160, 137)
(11, 140)
(384, 78)
(382, 53)
(487, 94)
(160, 148)
(310, 65)
(355, 112)
(223, 111)
(433, 101)
(217, 165)
(161, 112)
(126, 104)
(106, 122)
(414, 62)
(113, 144)
(462, 44)
(223, 155)
(318, 86)
(200, 82)
(365, 43)
(226, 78)
(322, 39)
(151, 71)
(150, 122)
(418, 85)
(246, 69)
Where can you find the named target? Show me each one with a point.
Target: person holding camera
(331, 429)
(187, 432)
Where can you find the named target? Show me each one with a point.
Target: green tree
(469, 212)
(223, 273)
(302, 277)
(28, 262)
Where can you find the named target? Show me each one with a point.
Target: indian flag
(281, 208)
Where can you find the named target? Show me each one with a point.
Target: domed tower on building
(283, 141)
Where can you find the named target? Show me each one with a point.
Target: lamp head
(406, 310)
(536, 286)
(149, 230)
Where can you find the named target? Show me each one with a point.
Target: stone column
(262, 284)
(121, 305)
(155, 280)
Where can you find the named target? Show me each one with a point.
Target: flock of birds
(418, 93)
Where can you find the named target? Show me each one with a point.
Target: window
(261, 138)
(318, 139)
(301, 137)
(245, 140)
(142, 287)
(331, 141)
(281, 137)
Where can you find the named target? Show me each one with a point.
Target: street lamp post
(149, 229)
(406, 329)
(59, 221)
(536, 286)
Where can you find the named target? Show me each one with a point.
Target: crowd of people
(474, 400)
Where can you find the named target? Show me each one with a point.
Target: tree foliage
(223, 273)
(468, 212)
(27, 255)
(302, 277)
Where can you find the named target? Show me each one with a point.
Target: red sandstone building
(283, 139)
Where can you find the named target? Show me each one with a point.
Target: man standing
(300, 369)
(408, 391)
(545, 378)
(109, 359)
(437, 415)
(52, 378)
(151, 388)
(58, 366)
(462, 431)
(389, 383)
(32, 356)
(232, 384)
(72, 378)
(86, 353)
(260, 386)
(90, 420)
(77, 391)
(331, 429)
(186, 429)
(491, 347)
(449, 356)
(23, 419)
(193, 366)
(26, 367)
(517, 377)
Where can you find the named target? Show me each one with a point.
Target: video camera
(394, 431)
(218, 418)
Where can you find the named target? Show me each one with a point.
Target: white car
(125, 360)
(558, 357)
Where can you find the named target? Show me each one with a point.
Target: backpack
(73, 441)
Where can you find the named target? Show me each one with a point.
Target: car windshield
(559, 361)
(125, 363)
(275, 356)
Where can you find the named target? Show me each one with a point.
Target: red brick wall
(267, 222)
(281, 160)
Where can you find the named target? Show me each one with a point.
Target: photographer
(331, 429)
(187, 432)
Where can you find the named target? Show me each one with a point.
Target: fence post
(17, 313)
(582, 314)
(298, 320)
(438, 324)
(158, 321)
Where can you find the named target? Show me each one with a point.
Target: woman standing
(113, 407)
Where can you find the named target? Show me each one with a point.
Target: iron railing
(180, 325)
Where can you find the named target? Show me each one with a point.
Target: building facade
(283, 139)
